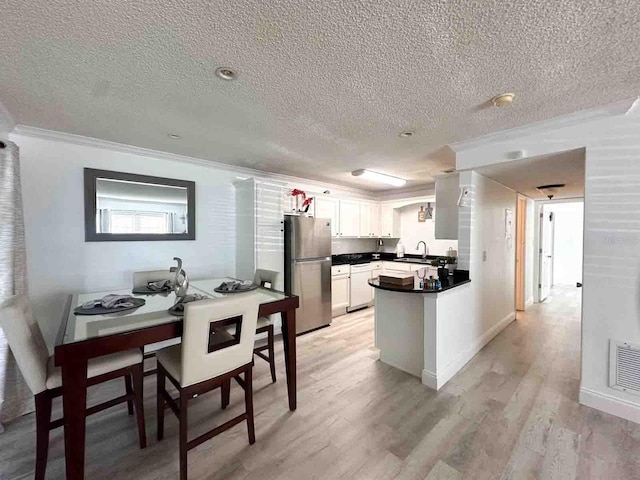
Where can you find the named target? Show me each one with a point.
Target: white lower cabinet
(340, 289)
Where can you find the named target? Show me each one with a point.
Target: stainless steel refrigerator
(307, 269)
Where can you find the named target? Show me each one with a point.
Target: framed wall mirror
(122, 206)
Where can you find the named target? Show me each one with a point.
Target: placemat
(237, 290)
(99, 310)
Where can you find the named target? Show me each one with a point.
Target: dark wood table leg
(74, 398)
(290, 355)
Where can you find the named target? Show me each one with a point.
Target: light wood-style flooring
(511, 413)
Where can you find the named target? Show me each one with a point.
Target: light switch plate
(484, 255)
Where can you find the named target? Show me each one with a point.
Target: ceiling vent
(624, 367)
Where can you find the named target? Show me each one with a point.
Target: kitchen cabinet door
(389, 222)
(375, 220)
(349, 218)
(328, 208)
(365, 220)
(339, 294)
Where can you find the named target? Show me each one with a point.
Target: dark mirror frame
(90, 177)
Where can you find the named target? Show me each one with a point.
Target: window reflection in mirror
(129, 207)
(124, 206)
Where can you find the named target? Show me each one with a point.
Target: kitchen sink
(413, 260)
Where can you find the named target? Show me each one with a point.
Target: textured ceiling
(525, 175)
(324, 87)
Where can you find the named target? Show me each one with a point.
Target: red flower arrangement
(306, 202)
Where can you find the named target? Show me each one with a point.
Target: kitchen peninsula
(424, 332)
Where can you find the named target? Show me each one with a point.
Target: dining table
(90, 336)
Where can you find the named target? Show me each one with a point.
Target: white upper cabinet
(369, 220)
(446, 215)
(389, 222)
(365, 220)
(349, 218)
(356, 218)
(375, 220)
(327, 207)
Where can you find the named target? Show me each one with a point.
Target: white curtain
(15, 397)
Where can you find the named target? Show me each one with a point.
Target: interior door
(521, 213)
(546, 254)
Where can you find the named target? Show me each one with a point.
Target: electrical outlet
(484, 255)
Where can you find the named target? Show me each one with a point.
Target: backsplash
(340, 246)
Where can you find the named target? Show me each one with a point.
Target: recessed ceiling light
(406, 134)
(379, 177)
(226, 73)
(503, 100)
(173, 136)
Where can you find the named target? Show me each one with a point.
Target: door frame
(521, 252)
(538, 209)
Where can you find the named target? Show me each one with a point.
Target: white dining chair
(45, 380)
(217, 345)
(266, 278)
(141, 279)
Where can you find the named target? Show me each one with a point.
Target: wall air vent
(624, 367)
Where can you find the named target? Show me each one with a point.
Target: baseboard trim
(610, 404)
(441, 378)
(429, 379)
(404, 368)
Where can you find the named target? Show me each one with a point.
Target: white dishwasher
(361, 293)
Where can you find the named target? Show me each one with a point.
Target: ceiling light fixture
(503, 100)
(379, 177)
(550, 190)
(406, 134)
(226, 73)
(173, 136)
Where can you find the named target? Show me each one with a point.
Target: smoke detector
(503, 100)
(226, 73)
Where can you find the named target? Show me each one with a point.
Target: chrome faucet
(424, 255)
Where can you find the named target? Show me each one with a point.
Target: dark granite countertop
(366, 257)
(459, 277)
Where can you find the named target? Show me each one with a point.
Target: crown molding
(57, 136)
(620, 108)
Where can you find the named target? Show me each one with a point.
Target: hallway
(511, 413)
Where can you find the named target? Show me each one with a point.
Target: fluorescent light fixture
(379, 177)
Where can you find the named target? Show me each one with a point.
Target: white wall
(493, 278)
(412, 231)
(567, 243)
(611, 265)
(59, 260)
(490, 300)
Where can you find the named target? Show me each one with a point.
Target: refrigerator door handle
(311, 260)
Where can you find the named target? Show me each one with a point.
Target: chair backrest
(142, 279)
(26, 341)
(218, 336)
(266, 276)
